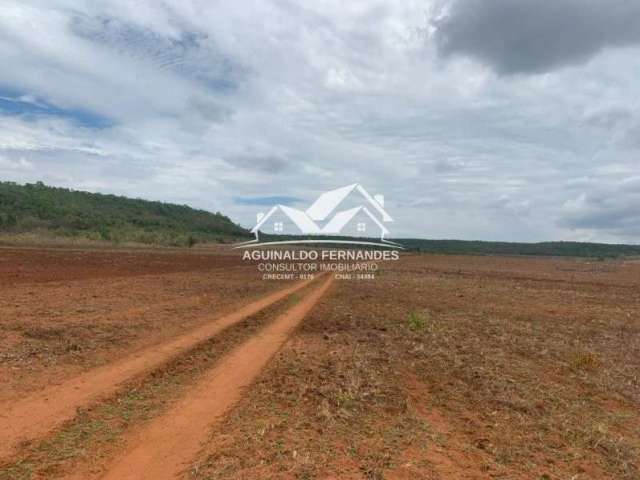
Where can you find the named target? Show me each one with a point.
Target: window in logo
(278, 227)
(361, 227)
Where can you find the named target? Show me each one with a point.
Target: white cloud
(19, 164)
(212, 101)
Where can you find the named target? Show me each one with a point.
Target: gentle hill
(59, 212)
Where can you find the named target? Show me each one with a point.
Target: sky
(515, 120)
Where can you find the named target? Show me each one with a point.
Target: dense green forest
(60, 212)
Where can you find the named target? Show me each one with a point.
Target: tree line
(64, 212)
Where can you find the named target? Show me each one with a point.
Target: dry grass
(522, 376)
(55, 322)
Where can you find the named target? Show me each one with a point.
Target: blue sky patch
(268, 201)
(12, 103)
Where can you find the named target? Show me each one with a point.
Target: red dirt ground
(39, 265)
(65, 311)
(443, 367)
(167, 445)
(37, 414)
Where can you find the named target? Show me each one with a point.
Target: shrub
(416, 321)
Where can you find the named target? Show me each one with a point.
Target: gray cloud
(631, 138)
(515, 36)
(210, 110)
(266, 164)
(614, 210)
(610, 118)
(620, 124)
(186, 52)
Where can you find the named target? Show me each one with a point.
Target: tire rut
(163, 449)
(40, 413)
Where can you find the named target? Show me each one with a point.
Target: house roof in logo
(340, 219)
(324, 208)
(298, 217)
(301, 219)
(329, 201)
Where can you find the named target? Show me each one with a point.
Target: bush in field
(417, 321)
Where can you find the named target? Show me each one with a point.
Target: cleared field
(442, 367)
(65, 311)
(39, 413)
(452, 368)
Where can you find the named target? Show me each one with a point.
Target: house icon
(365, 216)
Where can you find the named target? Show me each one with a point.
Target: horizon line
(297, 242)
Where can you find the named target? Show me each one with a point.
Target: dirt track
(64, 312)
(43, 411)
(162, 450)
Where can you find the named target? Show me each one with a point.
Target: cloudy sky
(477, 119)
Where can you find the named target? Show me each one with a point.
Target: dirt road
(164, 448)
(41, 412)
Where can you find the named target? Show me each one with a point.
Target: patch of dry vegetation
(330, 404)
(519, 374)
(54, 329)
